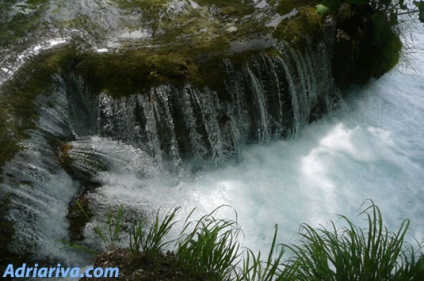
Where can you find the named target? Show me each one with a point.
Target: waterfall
(37, 186)
(161, 130)
(270, 97)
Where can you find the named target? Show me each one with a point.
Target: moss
(286, 6)
(141, 4)
(367, 45)
(123, 73)
(35, 3)
(389, 56)
(229, 8)
(306, 24)
(21, 27)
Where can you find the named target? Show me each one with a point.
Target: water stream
(140, 156)
(370, 148)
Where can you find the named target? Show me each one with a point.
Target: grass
(209, 249)
(254, 268)
(151, 242)
(351, 253)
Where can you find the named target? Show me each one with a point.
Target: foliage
(151, 242)
(351, 253)
(420, 6)
(209, 249)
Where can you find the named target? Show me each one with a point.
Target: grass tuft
(151, 242)
(209, 249)
(352, 253)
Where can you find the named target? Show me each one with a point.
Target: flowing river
(371, 147)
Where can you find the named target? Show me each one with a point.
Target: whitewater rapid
(370, 148)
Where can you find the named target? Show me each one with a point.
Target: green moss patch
(367, 45)
(305, 25)
(286, 6)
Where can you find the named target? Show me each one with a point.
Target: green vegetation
(297, 30)
(390, 7)
(367, 39)
(351, 253)
(209, 249)
(151, 242)
(253, 268)
(420, 6)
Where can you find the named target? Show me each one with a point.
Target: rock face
(173, 80)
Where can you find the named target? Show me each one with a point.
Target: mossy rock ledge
(190, 48)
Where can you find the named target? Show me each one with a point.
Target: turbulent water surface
(371, 147)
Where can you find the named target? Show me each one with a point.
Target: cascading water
(155, 137)
(370, 148)
(196, 147)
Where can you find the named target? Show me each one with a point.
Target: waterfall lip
(136, 34)
(21, 59)
(243, 45)
(277, 18)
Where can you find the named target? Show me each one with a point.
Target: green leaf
(322, 10)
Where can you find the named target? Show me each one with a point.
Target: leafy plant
(151, 241)
(351, 253)
(211, 248)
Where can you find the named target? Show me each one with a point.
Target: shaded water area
(252, 146)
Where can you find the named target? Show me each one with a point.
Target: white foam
(370, 149)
